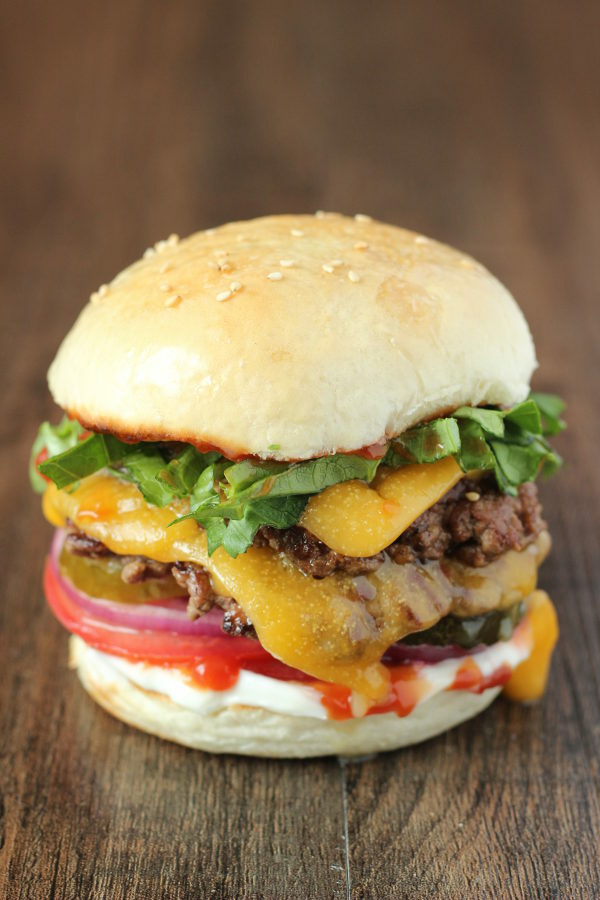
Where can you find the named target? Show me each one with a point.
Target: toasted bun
(334, 334)
(252, 731)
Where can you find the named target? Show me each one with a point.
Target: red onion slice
(427, 653)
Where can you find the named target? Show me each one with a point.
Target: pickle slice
(489, 628)
(102, 578)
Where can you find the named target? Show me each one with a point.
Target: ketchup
(215, 673)
(406, 689)
(469, 677)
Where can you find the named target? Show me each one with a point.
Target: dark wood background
(477, 123)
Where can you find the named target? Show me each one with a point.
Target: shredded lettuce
(232, 500)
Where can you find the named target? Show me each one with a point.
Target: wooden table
(476, 123)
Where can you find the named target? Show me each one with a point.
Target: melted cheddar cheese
(331, 628)
(528, 681)
(358, 519)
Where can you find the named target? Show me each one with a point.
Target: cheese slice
(332, 628)
(528, 681)
(357, 519)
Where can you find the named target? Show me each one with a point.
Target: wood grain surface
(477, 123)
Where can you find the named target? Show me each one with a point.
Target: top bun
(292, 337)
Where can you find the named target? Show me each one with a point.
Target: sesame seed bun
(292, 337)
(253, 731)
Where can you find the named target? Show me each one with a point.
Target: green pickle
(489, 628)
(102, 578)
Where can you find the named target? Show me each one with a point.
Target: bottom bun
(253, 731)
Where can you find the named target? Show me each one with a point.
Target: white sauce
(287, 697)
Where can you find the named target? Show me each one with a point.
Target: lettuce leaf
(280, 513)
(551, 407)
(425, 443)
(510, 442)
(83, 458)
(54, 439)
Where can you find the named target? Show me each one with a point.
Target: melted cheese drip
(323, 627)
(357, 519)
(528, 681)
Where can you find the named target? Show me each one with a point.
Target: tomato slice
(40, 458)
(162, 648)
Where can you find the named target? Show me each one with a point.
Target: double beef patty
(474, 522)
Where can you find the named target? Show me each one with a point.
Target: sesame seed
(166, 287)
(160, 246)
(328, 268)
(235, 286)
(421, 239)
(173, 300)
(103, 290)
(275, 276)
(166, 267)
(286, 263)
(224, 295)
(297, 232)
(353, 276)
(173, 240)
(209, 231)
(336, 263)
(473, 496)
(225, 266)
(360, 217)
(361, 245)
(149, 252)
(94, 298)
(320, 214)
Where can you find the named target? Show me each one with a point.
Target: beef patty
(473, 522)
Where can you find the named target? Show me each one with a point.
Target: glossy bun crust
(292, 337)
(251, 731)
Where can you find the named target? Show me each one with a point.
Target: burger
(294, 490)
